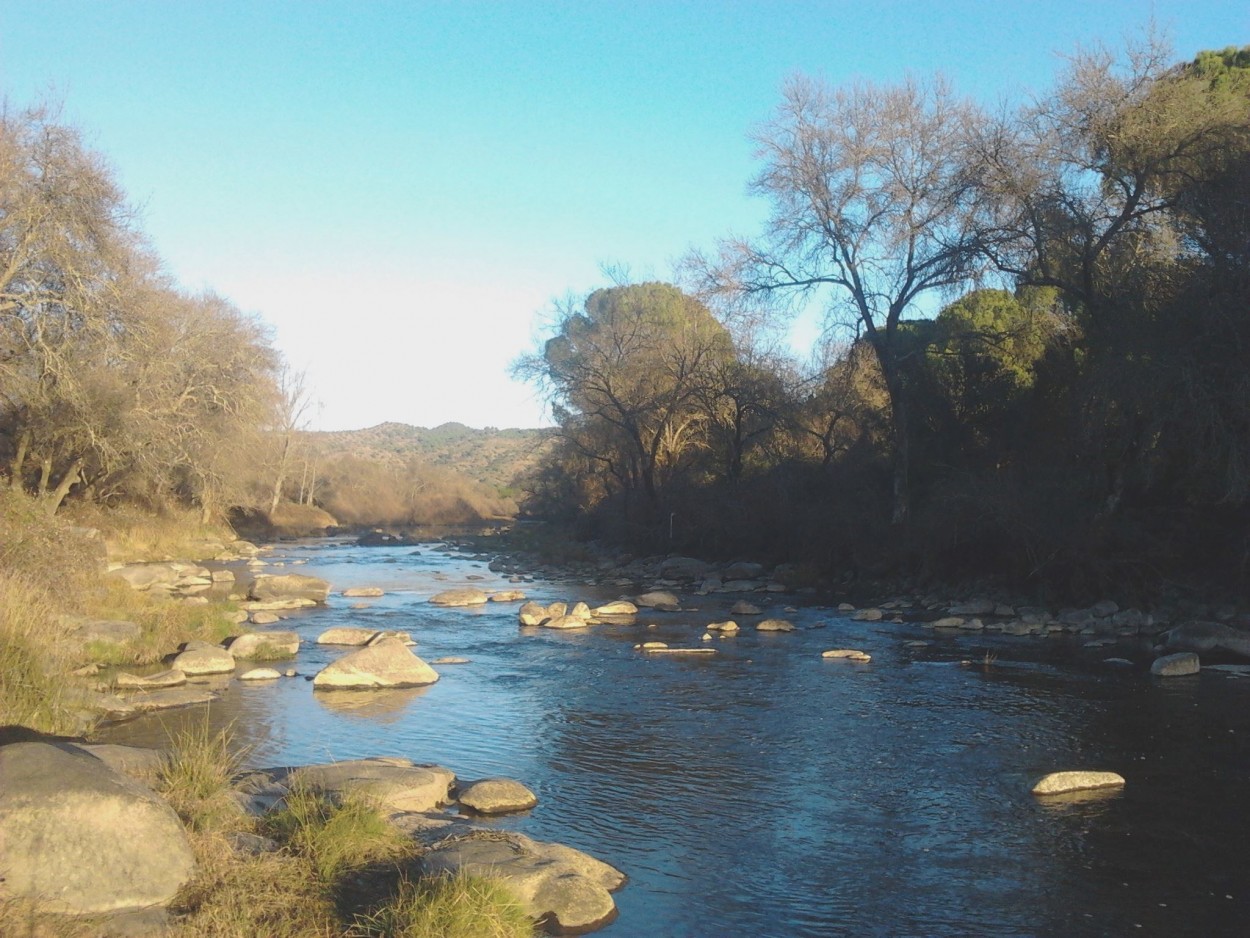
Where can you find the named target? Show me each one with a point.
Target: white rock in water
(1179, 665)
(1059, 783)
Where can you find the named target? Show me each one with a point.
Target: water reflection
(385, 705)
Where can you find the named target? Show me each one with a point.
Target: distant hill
(490, 456)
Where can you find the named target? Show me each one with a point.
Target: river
(766, 791)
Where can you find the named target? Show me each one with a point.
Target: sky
(402, 190)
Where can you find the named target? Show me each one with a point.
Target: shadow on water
(767, 791)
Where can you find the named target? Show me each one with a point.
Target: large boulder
(386, 664)
(203, 658)
(496, 796)
(459, 597)
(265, 646)
(565, 890)
(81, 838)
(269, 587)
(1206, 637)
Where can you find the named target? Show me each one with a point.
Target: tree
(872, 206)
(624, 376)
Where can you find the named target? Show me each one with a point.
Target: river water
(766, 791)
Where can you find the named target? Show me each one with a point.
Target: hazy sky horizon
(401, 189)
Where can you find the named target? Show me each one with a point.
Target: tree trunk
(19, 461)
(45, 476)
(67, 482)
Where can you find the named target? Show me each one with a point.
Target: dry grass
(34, 665)
(133, 533)
(459, 906)
(196, 780)
(165, 623)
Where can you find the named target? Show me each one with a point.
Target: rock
(108, 631)
(533, 613)
(169, 678)
(346, 635)
(775, 625)
(391, 633)
(1103, 609)
(868, 615)
(845, 607)
(727, 626)
(362, 592)
(743, 570)
(565, 890)
(459, 597)
(916, 644)
(203, 658)
(260, 674)
(973, 625)
(705, 637)
(651, 646)
(263, 618)
(680, 651)
(265, 646)
(450, 659)
(1179, 665)
(974, 607)
(849, 654)
(658, 599)
(620, 607)
(289, 586)
(169, 698)
(222, 576)
(744, 608)
(1117, 662)
(684, 568)
(387, 664)
(250, 845)
(398, 784)
(507, 596)
(147, 576)
(566, 622)
(948, 622)
(497, 796)
(1206, 637)
(1060, 783)
(83, 839)
(580, 611)
(132, 761)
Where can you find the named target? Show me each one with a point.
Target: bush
(448, 907)
(336, 838)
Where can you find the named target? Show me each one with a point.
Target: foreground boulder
(1062, 783)
(497, 796)
(564, 890)
(459, 597)
(289, 586)
(265, 645)
(81, 838)
(387, 664)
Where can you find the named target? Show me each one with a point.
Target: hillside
(490, 456)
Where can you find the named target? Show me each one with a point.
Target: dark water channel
(767, 791)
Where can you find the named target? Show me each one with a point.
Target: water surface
(767, 791)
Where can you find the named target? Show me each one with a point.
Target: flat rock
(868, 615)
(563, 889)
(459, 597)
(168, 678)
(1060, 783)
(363, 592)
(265, 646)
(263, 618)
(678, 651)
(267, 587)
(81, 838)
(496, 796)
(1206, 637)
(1179, 665)
(658, 599)
(619, 607)
(391, 633)
(397, 784)
(507, 596)
(134, 762)
(850, 654)
(387, 664)
(346, 635)
(168, 698)
(744, 608)
(203, 658)
(775, 625)
(260, 674)
(566, 622)
(728, 626)
(451, 659)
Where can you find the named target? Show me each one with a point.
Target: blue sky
(400, 189)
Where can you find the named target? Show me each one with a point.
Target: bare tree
(872, 208)
(294, 401)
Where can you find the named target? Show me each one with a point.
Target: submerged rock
(459, 597)
(363, 592)
(1059, 783)
(744, 608)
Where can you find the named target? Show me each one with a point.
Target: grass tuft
(460, 906)
(337, 838)
(197, 780)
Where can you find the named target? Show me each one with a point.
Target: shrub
(336, 837)
(458, 906)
